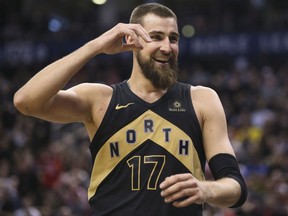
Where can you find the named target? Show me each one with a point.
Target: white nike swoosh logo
(122, 106)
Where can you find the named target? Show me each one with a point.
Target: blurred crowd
(256, 105)
(45, 167)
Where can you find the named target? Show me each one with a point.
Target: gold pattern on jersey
(151, 126)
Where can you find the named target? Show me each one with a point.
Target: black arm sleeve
(225, 165)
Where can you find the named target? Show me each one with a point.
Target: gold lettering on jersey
(150, 126)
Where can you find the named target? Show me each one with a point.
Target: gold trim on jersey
(151, 126)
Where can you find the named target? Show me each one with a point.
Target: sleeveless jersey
(137, 146)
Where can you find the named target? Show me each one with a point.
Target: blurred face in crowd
(158, 59)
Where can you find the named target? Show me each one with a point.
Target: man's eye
(173, 40)
(155, 37)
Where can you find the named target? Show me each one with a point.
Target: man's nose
(166, 46)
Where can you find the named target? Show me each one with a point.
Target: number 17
(135, 163)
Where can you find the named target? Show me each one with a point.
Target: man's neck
(144, 89)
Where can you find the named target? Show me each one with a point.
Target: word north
(164, 137)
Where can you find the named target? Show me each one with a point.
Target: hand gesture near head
(111, 42)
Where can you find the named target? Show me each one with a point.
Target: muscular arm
(224, 191)
(42, 96)
(213, 121)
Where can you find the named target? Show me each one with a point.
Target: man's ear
(127, 39)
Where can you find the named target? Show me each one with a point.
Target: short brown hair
(154, 8)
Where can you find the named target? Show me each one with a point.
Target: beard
(162, 77)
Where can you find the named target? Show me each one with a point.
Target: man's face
(158, 59)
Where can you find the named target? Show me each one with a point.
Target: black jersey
(137, 146)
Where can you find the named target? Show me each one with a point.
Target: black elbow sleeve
(225, 165)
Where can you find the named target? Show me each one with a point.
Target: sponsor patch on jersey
(176, 106)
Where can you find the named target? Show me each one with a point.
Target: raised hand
(112, 41)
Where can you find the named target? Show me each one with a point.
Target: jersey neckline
(143, 102)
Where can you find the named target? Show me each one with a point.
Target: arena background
(237, 47)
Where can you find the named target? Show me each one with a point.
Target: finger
(174, 179)
(178, 195)
(188, 201)
(135, 32)
(180, 190)
(134, 39)
(131, 47)
(140, 31)
(172, 189)
(123, 30)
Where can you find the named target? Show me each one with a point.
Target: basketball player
(150, 135)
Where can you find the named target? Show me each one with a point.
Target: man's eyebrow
(162, 33)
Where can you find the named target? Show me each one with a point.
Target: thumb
(131, 47)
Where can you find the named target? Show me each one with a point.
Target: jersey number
(135, 164)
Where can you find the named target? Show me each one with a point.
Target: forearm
(225, 170)
(46, 83)
(222, 193)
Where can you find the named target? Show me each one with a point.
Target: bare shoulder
(93, 89)
(206, 102)
(203, 94)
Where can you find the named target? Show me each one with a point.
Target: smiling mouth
(161, 61)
